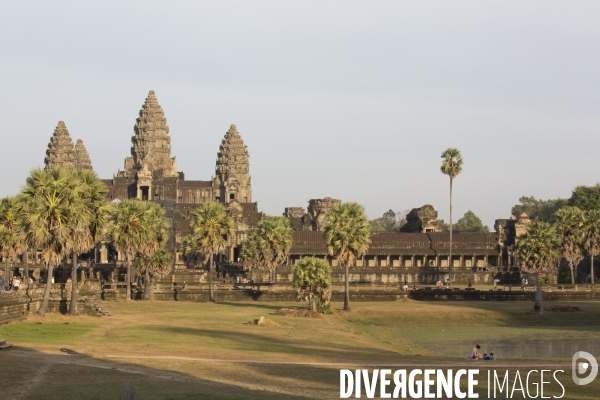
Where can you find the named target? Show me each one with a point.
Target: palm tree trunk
(26, 265)
(311, 301)
(6, 274)
(539, 300)
(592, 270)
(46, 298)
(211, 295)
(128, 276)
(73, 306)
(147, 295)
(450, 259)
(347, 291)
(572, 274)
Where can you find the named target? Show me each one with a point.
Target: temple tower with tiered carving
(82, 158)
(60, 149)
(150, 148)
(232, 180)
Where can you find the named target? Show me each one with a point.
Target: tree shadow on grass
(51, 376)
(254, 305)
(293, 346)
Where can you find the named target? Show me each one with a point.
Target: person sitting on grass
(475, 355)
(490, 357)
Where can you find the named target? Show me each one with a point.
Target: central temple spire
(151, 144)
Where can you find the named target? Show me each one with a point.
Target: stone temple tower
(232, 180)
(151, 144)
(150, 149)
(60, 149)
(82, 158)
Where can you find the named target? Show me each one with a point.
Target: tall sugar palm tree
(55, 210)
(96, 207)
(539, 250)
(210, 226)
(592, 237)
(452, 166)
(131, 229)
(348, 235)
(570, 223)
(11, 242)
(269, 245)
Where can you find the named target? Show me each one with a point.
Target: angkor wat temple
(419, 252)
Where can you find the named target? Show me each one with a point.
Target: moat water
(560, 348)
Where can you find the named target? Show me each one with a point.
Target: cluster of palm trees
(63, 213)
(60, 212)
(138, 230)
(574, 234)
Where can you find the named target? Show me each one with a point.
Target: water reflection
(503, 349)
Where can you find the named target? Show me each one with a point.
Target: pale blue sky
(352, 100)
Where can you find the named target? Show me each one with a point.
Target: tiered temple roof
(232, 159)
(60, 149)
(151, 144)
(232, 180)
(82, 158)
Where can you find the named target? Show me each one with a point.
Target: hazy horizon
(350, 100)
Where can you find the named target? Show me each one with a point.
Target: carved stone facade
(151, 175)
(232, 180)
(60, 149)
(151, 144)
(422, 220)
(314, 218)
(82, 158)
(62, 153)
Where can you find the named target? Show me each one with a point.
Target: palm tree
(137, 227)
(85, 237)
(570, 222)
(451, 166)
(210, 226)
(592, 237)
(312, 280)
(156, 264)
(192, 255)
(250, 252)
(55, 210)
(348, 235)
(10, 239)
(539, 251)
(269, 245)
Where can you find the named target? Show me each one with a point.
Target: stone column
(103, 253)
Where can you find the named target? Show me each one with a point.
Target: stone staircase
(4, 345)
(96, 305)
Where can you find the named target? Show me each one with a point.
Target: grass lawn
(185, 350)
